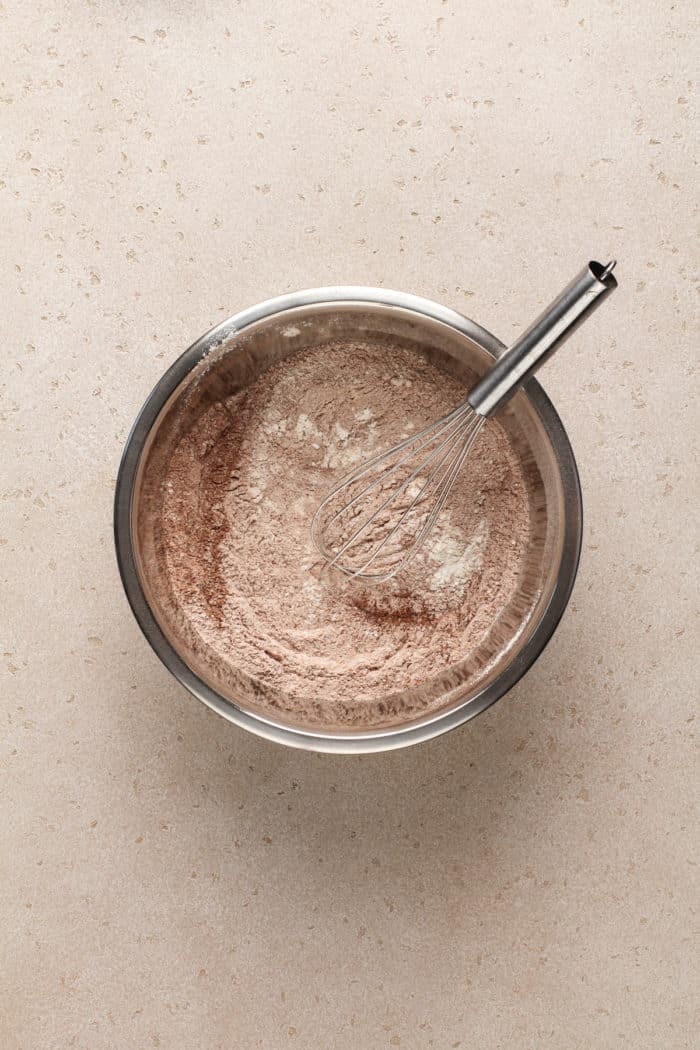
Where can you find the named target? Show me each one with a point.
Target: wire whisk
(377, 518)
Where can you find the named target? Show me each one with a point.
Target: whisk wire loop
(428, 434)
(448, 478)
(439, 449)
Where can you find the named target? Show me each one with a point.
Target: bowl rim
(363, 741)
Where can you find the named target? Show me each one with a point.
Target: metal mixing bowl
(228, 358)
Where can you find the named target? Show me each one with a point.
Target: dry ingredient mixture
(240, 491)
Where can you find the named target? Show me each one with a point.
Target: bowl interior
(232, 362)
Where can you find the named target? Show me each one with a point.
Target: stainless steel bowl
(229, 357)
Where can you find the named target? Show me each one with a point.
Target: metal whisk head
(378, 517)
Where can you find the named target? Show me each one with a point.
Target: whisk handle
(545, 335)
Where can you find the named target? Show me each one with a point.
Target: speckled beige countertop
(168, 881)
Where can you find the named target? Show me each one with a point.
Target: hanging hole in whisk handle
(604, 272)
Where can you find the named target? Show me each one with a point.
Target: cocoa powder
(240, 490)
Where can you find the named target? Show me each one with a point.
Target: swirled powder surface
(241, 489)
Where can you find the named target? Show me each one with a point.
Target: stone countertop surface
(167, 880)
